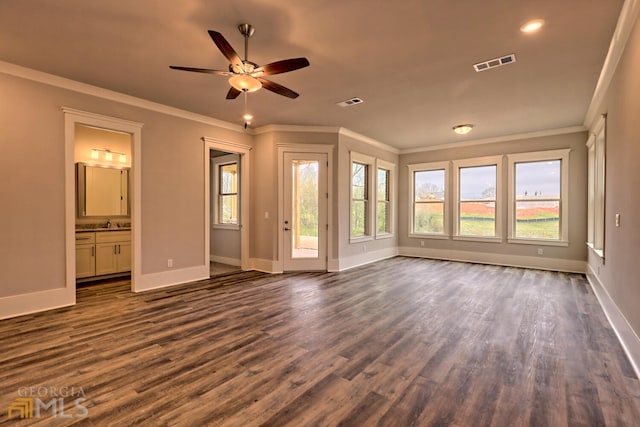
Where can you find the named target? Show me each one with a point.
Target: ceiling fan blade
(201, 70)
(283, 66)
(276, 88)
(225, 48)
(233, 93)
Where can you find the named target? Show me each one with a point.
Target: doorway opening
(225, 212)
(102, 187)
(226, 208)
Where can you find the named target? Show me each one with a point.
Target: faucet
(108, 224)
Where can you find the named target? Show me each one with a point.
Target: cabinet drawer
(113, 236)
(85, 238)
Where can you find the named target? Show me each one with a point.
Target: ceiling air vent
(493, 63)
(350, 102)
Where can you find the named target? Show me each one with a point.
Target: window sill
(225, 226)
(353, 240)
(479, 239)
(539, 242)
(598, 252)
(384, 236)
(429, 236)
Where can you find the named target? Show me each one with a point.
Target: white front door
(304, 229)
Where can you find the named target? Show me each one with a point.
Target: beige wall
(32, 160)
(619, 271)
(577, 196)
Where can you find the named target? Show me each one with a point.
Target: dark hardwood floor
(400, 342)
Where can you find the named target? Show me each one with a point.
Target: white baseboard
(353, 261)
(540, 263)
(626, 335)
(18, 305)
(265, 265)
(147, 282)
(224, 260)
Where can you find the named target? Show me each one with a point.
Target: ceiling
(411, 61)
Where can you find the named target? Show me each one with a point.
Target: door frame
(303, 148)
(244, 151)
(71, 118)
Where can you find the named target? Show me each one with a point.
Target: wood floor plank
(399, 342)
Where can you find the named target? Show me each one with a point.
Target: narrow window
(383, 200)
(228, 194)
(359, 199)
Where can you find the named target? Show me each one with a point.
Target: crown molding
(367, 140)
(514, 137)
(326, 129)
(626, 22)
(87, 89)
(294, 128)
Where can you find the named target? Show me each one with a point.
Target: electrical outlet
(170, 262)
(540, 251)
(422, 243)
(364, 248)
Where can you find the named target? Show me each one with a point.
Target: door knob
(286, 229)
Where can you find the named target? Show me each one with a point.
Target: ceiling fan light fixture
(245, 83)
(463, 129)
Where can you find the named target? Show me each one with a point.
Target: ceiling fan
(247, 76)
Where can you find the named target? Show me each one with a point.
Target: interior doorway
(227, 205)
(123, 245)
(225, 212)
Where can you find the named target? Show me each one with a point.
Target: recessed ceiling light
(532, 26)
(462, 129)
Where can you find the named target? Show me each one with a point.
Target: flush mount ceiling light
(532, 26)
(462, 129)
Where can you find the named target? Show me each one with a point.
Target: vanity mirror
(102, 191)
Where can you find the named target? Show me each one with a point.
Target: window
(538, 205)
(429, 205)
(477, 189)
(361, 207)
(596, 213)
(226, 190)
(384, 198)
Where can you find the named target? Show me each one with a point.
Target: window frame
(217, 164)
(596, 215)
(370, 205)
(534, 157)
(471, 163)
(427, 167)
(390, 168)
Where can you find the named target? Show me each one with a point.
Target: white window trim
(478, 162)
(391, 183)
(540, 156)
(356, 157)
(425, 167)
(597, 187)
(216, 163)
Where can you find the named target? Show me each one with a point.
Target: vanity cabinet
(85, 255)
(113, 252)
(101, 253)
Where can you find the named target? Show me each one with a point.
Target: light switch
(266, 215)
(617, 220)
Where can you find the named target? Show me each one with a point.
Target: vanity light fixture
(108, 155)
(463, 129)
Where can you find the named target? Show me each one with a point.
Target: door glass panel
(305, 215)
